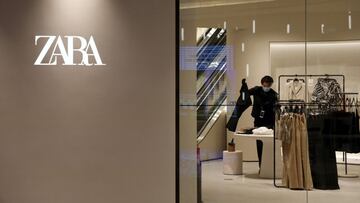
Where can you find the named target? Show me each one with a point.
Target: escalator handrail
(209, 88)
(200, 137)
(213, 74)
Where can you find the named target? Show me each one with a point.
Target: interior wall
(214, 144)
(271, 26)
(326, 57)
(88, 134)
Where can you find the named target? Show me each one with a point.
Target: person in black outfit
(263, 111)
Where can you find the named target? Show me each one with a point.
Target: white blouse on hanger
(296, 90)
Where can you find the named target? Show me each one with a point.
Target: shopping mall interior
(310, 49)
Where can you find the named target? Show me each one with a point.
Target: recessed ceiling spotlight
(247, 70)
(254, 26)
(349, 20)
(288, 28)
(182, 34)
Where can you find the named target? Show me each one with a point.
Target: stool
(232, 163)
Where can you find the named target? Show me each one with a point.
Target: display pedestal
(267, 165)
(232, 163)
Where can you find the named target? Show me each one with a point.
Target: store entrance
(269, 95)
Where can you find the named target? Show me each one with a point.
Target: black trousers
(322, 152)
(259, 146)
(265, 122)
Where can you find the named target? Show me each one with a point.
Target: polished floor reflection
(249, 188)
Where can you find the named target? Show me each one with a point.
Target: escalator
(211, 78)
(211, 95)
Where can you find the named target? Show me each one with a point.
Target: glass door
(223, 46)
(333, 49)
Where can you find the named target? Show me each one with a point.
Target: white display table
(232, 163)
(267, 165)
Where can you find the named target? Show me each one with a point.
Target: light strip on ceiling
(314, 44)
(208, 4)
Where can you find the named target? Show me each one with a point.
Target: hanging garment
(243, 102)
(322, 153)
(344, 126)
(327, 90)
(353, 142)
(292, 130)
(310, 88)
(296, 90)
(355, 133)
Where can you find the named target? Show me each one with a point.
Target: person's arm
(277, 96)
(252, 90)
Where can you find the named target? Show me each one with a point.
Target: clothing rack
(347, 175)
(306, 76)
(281, 103)
(289, 80)
(306, 104)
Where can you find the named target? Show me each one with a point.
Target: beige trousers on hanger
(296, 169)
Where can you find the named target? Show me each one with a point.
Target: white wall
(330, 57)
(214, 144)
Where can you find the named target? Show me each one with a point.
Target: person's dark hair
(267, 79)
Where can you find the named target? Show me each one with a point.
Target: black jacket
(243, 102)
(263, 101)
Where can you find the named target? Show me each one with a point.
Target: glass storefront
(300, 144)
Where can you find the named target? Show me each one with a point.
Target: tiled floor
(249, 188)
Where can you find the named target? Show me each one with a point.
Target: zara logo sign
(55, 49)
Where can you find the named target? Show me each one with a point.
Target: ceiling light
(182, 34)
(247, 70)
(254, 26)
(215, 3)
(288, 29)
(350, 20)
